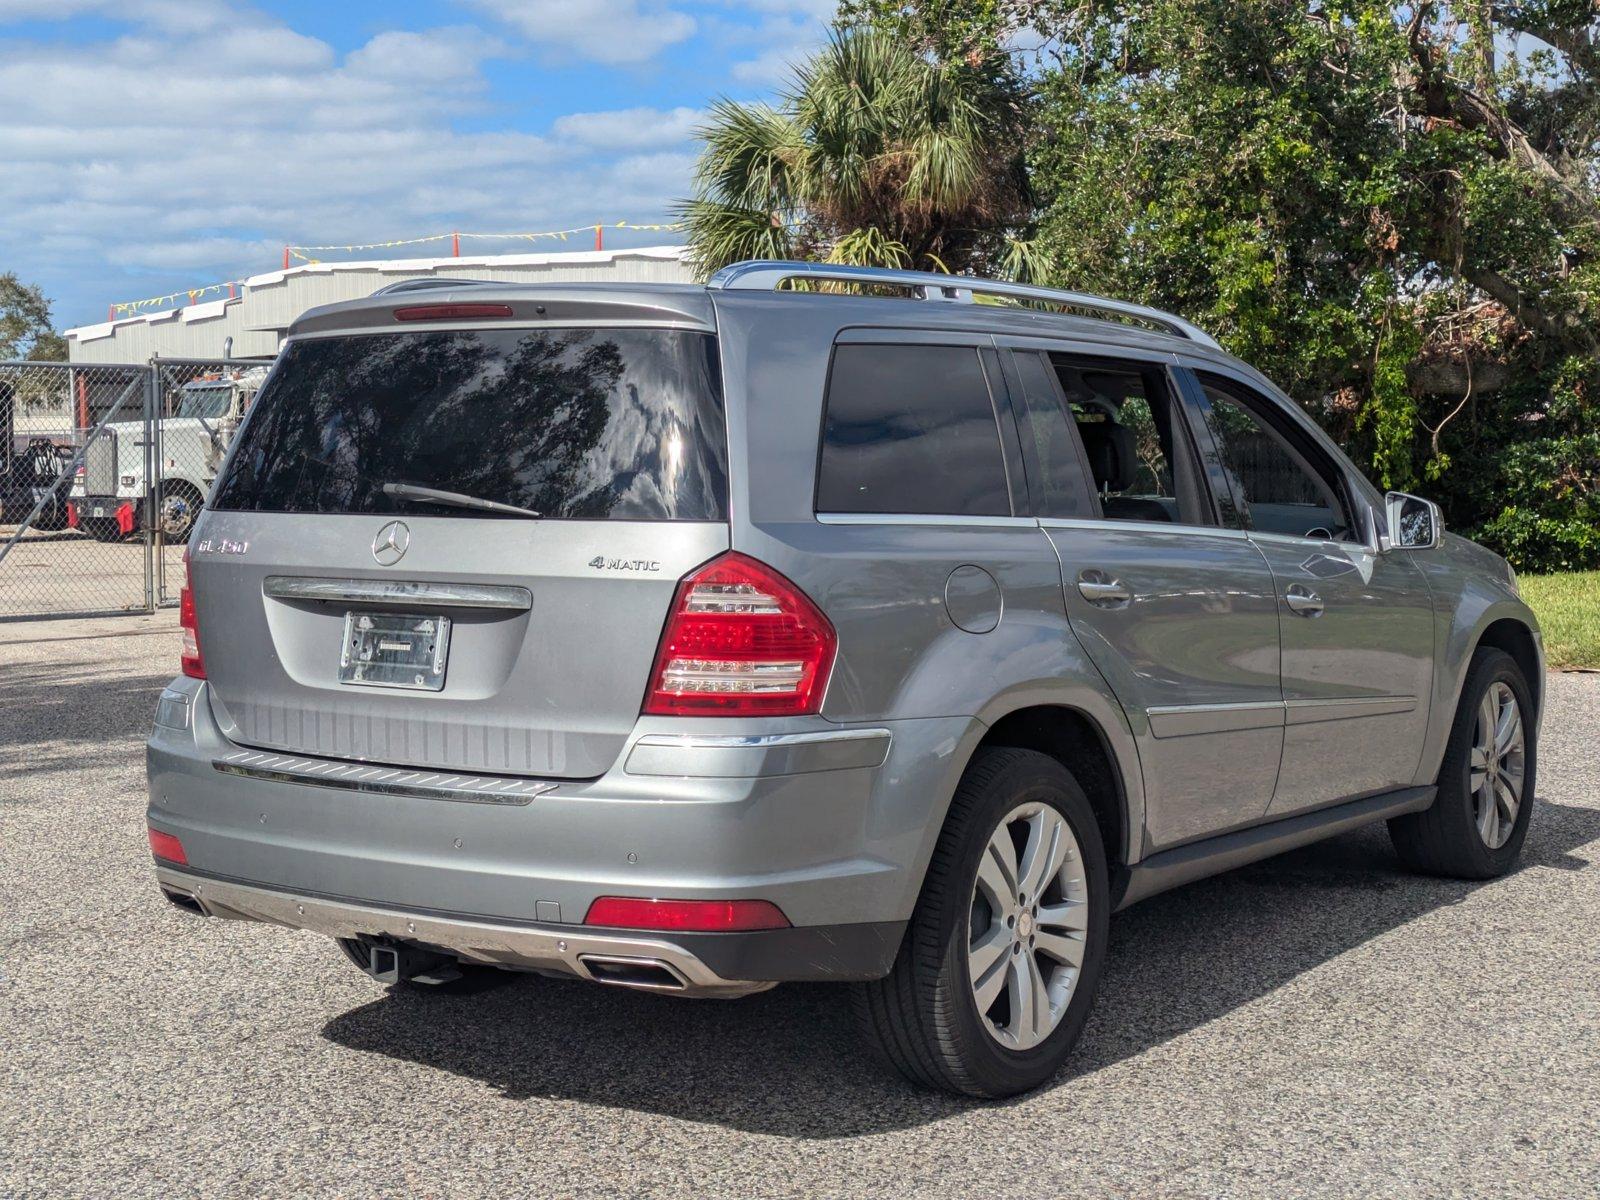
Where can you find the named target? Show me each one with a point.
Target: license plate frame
(404, 651)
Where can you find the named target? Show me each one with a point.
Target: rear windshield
(578, 423)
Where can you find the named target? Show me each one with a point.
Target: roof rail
(929, 285)
(429, 282)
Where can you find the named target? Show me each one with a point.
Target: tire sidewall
(998, 1070)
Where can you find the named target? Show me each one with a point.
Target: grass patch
(1568, 607)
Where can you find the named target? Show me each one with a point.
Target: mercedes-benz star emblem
(389, 547)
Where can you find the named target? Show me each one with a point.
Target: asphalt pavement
(1322, 1024)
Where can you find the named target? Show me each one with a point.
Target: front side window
(625, 424)
(911, 429)
(1280, 490)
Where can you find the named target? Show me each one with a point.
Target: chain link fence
(103, 470)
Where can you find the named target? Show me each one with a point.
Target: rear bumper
(707, 964)
(836, 831)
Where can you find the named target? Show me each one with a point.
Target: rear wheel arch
(1075, 740)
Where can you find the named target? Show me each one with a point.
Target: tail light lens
(741, 640)
(686, 916)
(165, 846)
(191, 662)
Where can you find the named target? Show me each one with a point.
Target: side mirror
(1414, 523)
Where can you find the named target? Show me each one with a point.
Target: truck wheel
(1477, 824)
(176, 514)
(1000, 963)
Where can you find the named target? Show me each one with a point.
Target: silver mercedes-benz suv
(816, 624)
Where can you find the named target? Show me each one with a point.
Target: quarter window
(911, 429)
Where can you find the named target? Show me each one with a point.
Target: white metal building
(252, 324)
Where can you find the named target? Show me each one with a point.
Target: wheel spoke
(1507, 726)
(1488, 816)
(1483, 736)
(1020, 991)
(987, 988)
(997, 872)
(1073, 916)
(1045, 852)
(1506, 800)
(986, 952)
(1064, 948)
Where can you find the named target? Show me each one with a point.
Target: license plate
(395, 650)
(99, 510)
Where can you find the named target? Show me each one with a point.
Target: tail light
(165, 846)
(191, 662)
(741, 640)
(686, 916)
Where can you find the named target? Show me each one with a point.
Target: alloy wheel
(1028, 925)
(1498, 765)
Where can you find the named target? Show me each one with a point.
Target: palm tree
(877, 155)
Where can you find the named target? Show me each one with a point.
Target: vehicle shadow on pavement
(788, 1062)
(70, 716)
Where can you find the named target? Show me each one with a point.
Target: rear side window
(625, 424)
(911, 429)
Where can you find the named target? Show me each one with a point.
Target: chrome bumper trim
(392, 781)
(715, 741)
(471, 940)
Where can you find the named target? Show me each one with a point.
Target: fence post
(152, 464)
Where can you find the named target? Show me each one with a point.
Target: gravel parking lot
(1321, 1024)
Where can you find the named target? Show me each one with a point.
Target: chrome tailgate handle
(1102, 590)
(1303, 600)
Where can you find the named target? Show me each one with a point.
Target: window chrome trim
(833, 518)
(1104, 523)
(387, 591)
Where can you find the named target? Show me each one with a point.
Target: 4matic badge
(601, 563)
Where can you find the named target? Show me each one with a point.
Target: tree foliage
(1390, 209)
(877, 154)
(25, 329)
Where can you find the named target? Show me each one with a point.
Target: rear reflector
(686, 916)
(452, 312)
(167, 847)
(189, 661)
(741, 640)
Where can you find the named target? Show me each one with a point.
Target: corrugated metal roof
(256, 320)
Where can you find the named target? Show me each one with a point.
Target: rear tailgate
(306, 565)
(553, 690)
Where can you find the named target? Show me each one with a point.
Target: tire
(1449, 838)
(924, 1018)
(178, 511)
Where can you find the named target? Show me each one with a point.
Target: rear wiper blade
(410, 491)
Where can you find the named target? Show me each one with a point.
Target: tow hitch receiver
(394, 964)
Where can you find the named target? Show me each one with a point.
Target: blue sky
(148, 146)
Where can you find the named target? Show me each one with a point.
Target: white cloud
(118, 180)
(773, 69)
(629, 128)
(605, 31)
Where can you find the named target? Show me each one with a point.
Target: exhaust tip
(184, 901)
(645, 974)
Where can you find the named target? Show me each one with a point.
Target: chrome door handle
(1303, 600)
(1102, 590)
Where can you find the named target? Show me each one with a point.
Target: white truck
(110, 497)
